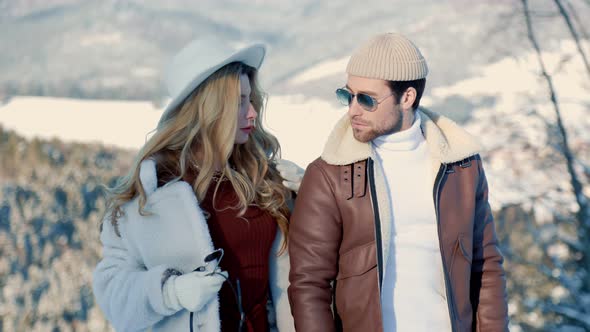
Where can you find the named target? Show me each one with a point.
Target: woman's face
(246, 114)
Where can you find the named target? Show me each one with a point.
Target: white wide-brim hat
(198, 60)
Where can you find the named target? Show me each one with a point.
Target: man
(392, 230)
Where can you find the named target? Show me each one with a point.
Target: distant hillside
(115, 49)
(51, 202)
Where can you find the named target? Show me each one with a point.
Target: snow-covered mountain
(115, 49)
(509, 113)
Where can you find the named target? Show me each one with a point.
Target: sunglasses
(368, 103)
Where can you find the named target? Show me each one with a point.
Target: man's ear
(408, 99)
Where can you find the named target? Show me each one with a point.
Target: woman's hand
(291, 174)
(192, 291)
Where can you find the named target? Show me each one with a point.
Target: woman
(206, 180)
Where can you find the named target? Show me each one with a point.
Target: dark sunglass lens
(343, 96)
(365, 101)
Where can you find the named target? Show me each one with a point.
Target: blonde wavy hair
(199, 134)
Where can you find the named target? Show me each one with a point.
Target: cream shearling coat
(127, 281)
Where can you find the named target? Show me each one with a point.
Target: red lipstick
(248, 129)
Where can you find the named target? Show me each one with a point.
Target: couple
(391, 230)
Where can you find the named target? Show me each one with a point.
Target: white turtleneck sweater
(413, 295)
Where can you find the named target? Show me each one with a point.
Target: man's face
(385, 119)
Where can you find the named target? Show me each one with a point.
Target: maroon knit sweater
(246, 242)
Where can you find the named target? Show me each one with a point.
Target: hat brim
(252, 56)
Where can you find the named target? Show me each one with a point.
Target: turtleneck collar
(405, 140)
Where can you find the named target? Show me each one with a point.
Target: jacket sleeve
(488, 275)
(279, 281)
(129, 295)
(314, 239)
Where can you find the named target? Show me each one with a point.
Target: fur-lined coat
(127, 281)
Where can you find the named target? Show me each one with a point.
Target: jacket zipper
(450, 302)
(377, 223)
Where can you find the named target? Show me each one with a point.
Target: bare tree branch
(574, 14)
(577, 186)
(571, 313)
(572, 244)
(574, 34)
(582, 202)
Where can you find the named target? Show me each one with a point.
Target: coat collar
(148, 176)
(447, 141)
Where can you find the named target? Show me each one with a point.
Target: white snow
(102, 38)
(119, 123)
(301, 124)
(321, 70)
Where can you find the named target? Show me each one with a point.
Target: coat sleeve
(488, 274)
(129, 294)
(315, 234)
(279, 282)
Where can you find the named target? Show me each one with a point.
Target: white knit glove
(291, 174)
(191, 291)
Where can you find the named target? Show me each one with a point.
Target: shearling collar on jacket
(447, 141)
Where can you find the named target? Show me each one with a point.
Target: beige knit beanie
(390, 57)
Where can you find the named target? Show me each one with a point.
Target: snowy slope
(119, 123)
(297, 121)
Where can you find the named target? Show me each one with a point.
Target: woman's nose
(251, 115)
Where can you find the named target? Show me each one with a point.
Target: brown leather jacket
(341, 224)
